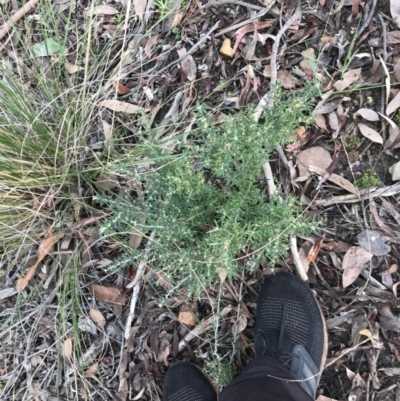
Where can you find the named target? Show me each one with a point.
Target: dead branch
(243, 23)
(192, 50)
(237, 2)
(17, 16)
(136, 288)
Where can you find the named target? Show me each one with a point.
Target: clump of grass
(204, 201)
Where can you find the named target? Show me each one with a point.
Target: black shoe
(290, 327)
(185, 382)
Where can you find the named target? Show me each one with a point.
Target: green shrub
(204, 201)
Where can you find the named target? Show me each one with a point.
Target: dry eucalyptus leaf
(334, 124)
(239, 325)
(285, 78)
(177, 19)
(348, 78)
(110, 295)
(395, 171)
(370, 133)
(226, 48)
(324, 107)
(387, 280)
(67, 349)
(367, 114)
(388, 321)
(72, 68)
(7, 292)
(92, 369)
(189, 67)
(395, 10)
(320, 121)
(186, 317)
(396, 69)
(116, 105)
(353, 263)
(393, 105)
(148, 48)
(336, 179)
(140, 8)
(390, 371)
(103, 9)
(97, 318)
(374, 242)
(107, 130)
(393, 37)
(308, 59)
(316, 156)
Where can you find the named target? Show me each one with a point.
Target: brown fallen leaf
(349, 78)
(316, 156)
(121, 89)
(226, 48)
(72, 68)
(387, 320)
(395, 10)
(186, 317)
(336, 179)
(148, 48)
(367, 114)
(107, 130)
(110, 295)
(393, 105)
(140, 8)
(103, 9)
(67, 350)
(44, 249)
(353, 263)
(247, 29)
(393, 37)
(355, 9)
(334, 124)
(314, 251)
(396, 69)
(98, 318)
(324, 107)
(188, 65)
(320, 121)
(92, 369)
(285, 78)
(370, 133)
(118, 106)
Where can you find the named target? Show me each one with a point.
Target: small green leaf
(48, 47)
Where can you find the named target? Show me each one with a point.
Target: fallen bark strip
(365, 194)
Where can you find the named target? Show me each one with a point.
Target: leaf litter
(347, 274)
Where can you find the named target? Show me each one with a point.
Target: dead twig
(243, 23)
(237, 2)
(367, 18)
(17, 16)
(296, 259)
(192, 50)
(202, 327)
(136, 288)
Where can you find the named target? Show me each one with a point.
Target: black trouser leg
(264, 379)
